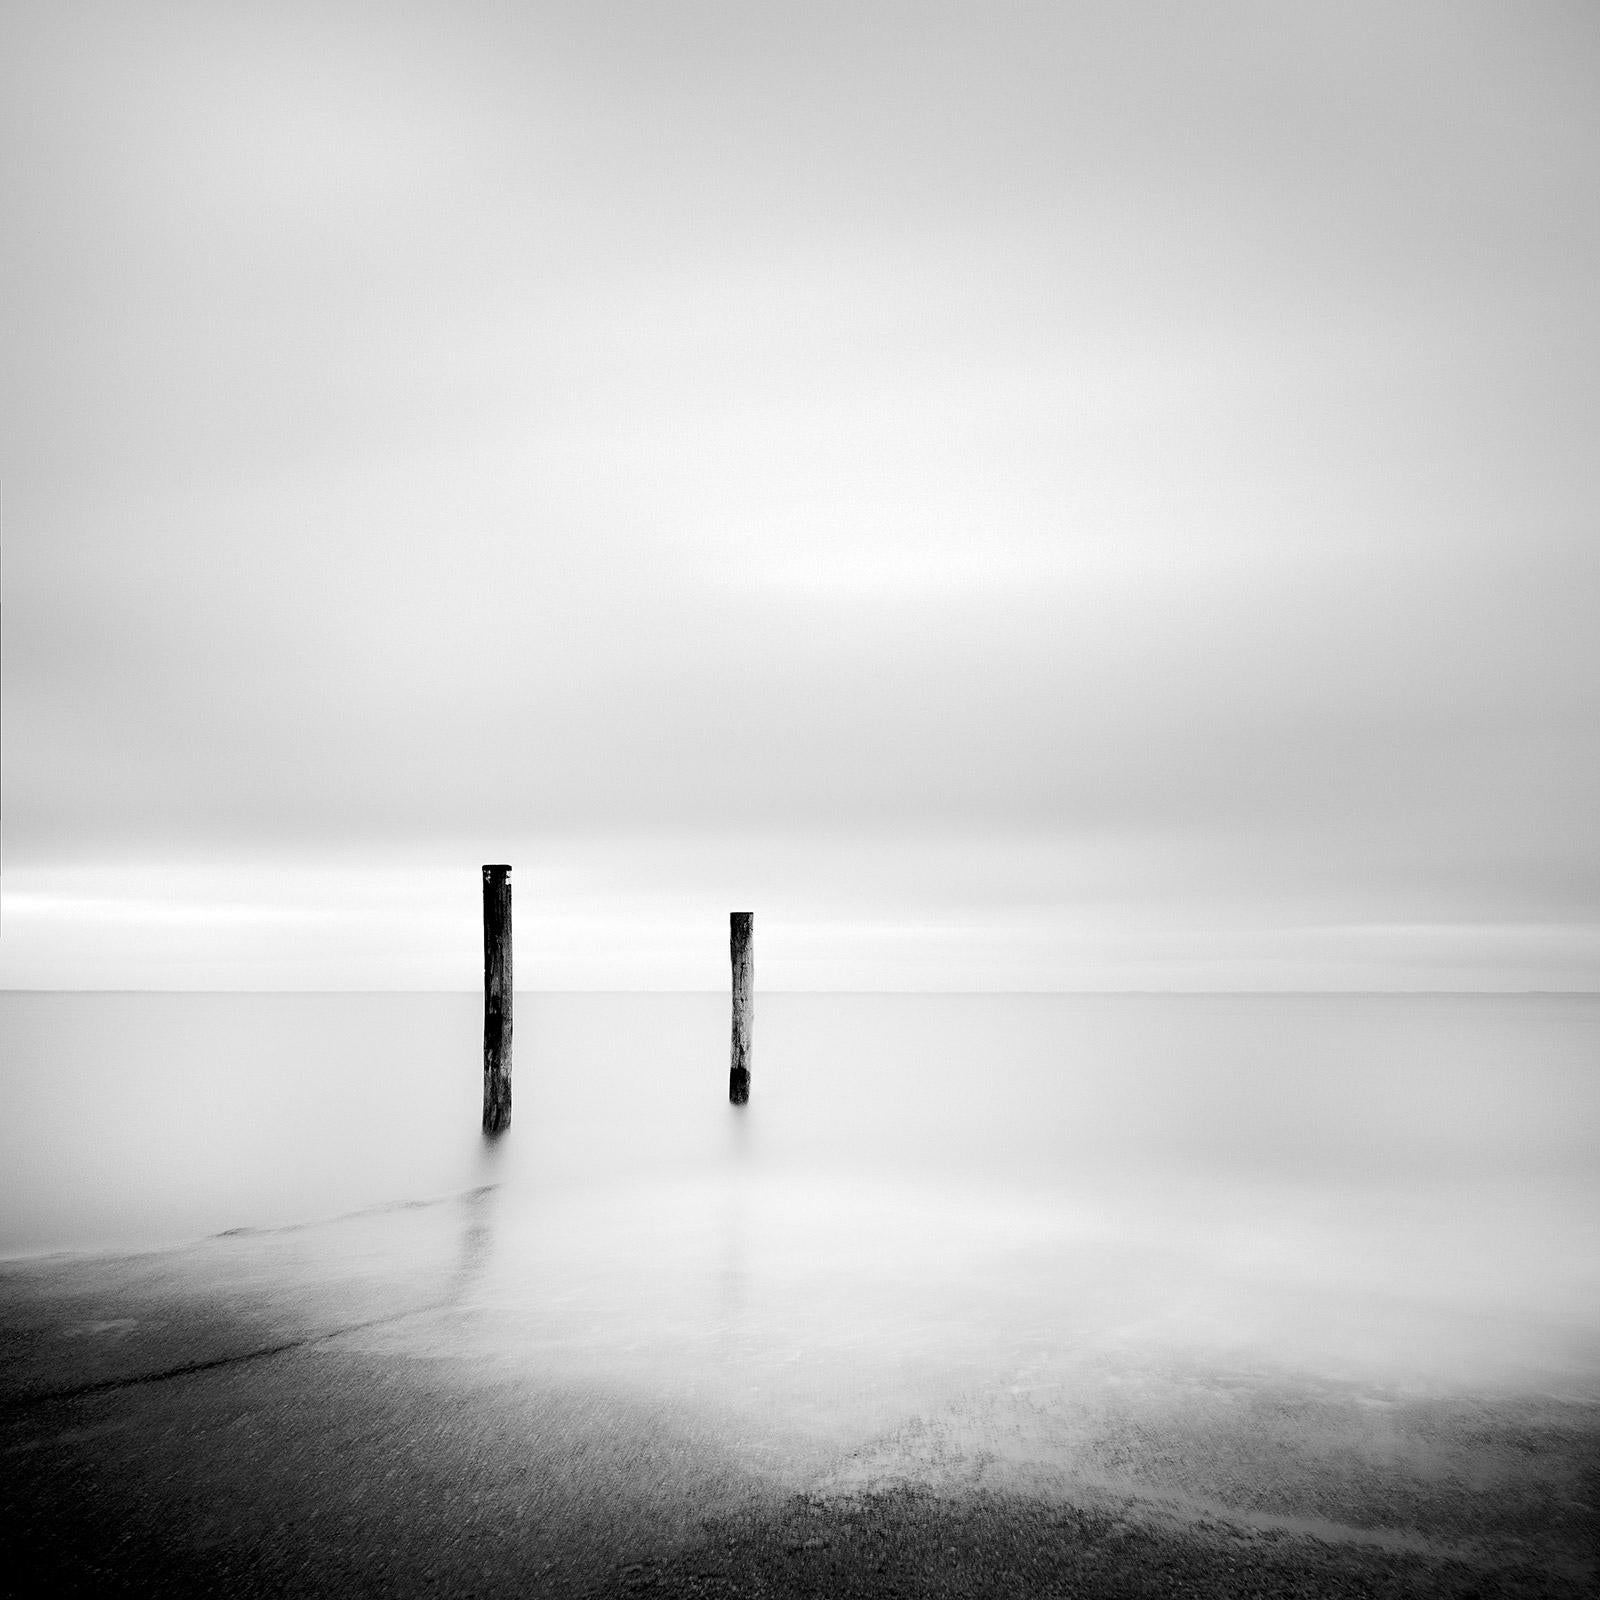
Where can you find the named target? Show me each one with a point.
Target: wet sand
(319, 1410)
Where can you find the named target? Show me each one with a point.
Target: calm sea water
(1351, 1183)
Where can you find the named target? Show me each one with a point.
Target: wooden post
(741, 947)
(496, 999)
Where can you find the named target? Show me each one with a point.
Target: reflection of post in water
(477, 1235)
(733, 1279)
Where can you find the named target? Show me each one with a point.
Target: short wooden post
(496, 999)
(741, 947)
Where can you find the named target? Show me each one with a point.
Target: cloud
(1073, 425)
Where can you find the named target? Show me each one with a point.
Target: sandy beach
(279, 1413)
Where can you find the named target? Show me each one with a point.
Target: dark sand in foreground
(248, 1417)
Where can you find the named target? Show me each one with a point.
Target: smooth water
(1402, 1187)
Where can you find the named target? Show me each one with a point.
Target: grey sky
(1083, 481)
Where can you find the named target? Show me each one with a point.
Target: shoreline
(323, 1472)
(265, 1414)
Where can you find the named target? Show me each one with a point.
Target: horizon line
(1265, 994)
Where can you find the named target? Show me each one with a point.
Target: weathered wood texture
(741, 948)
(496, 999)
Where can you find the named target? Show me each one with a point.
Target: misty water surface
(1403, 1187)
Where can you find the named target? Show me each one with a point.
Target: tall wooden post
(741, 948)
(496, 999)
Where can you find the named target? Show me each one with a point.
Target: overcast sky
(1028, 497)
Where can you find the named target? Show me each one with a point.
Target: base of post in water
(496, 1103)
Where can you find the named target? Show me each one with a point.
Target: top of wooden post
(500, 867)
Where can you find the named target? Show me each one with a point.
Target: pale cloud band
(863, 915)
